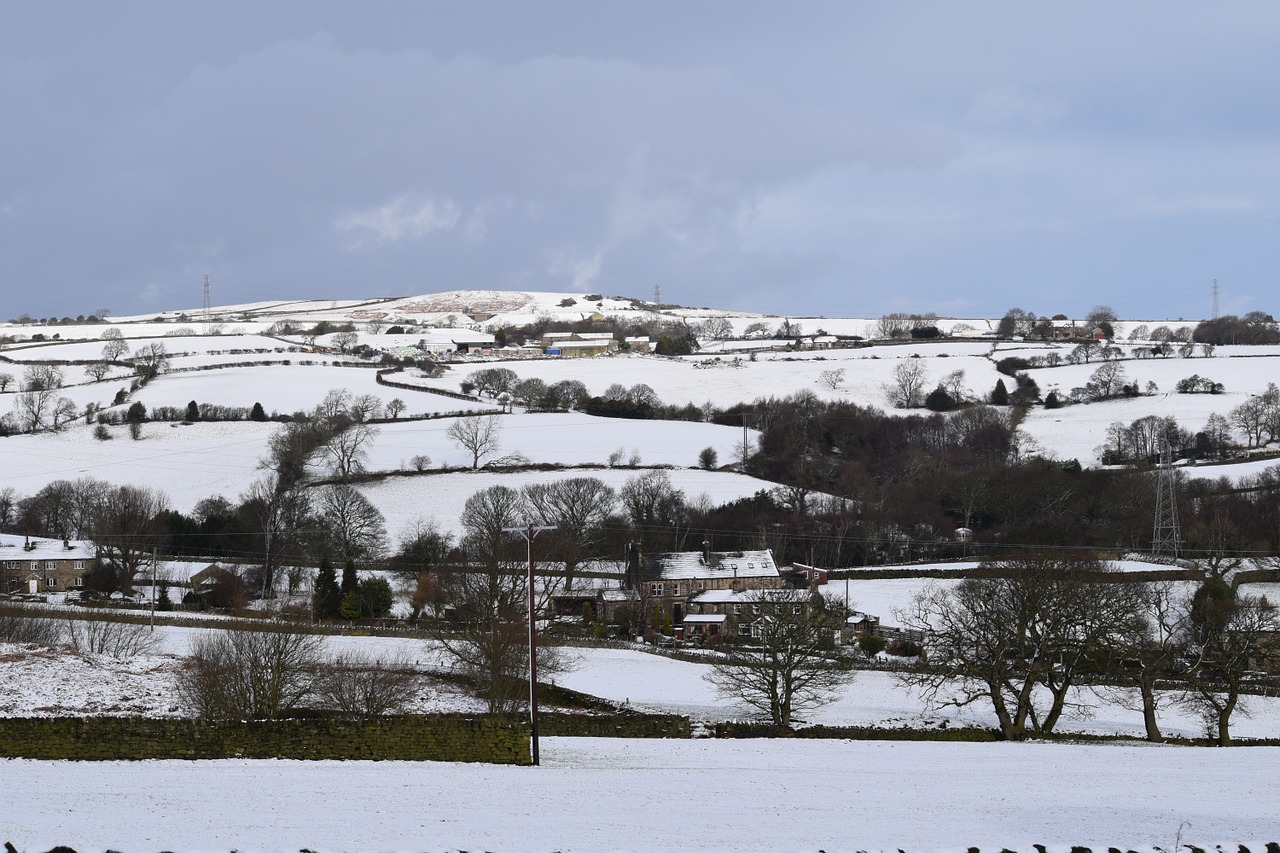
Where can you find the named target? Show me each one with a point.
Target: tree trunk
(1147, 688)
(1224, 718)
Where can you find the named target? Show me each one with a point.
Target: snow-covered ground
(664, 795)
(559, 439)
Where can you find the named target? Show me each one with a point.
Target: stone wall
(551, 724)
(445, 737)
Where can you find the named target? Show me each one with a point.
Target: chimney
(706, 552)
(66, 543)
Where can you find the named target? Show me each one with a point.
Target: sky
(830, 158)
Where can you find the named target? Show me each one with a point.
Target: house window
(676, 588)
(50, 582)
(655, 589)
(50, 565)
(80, 582)
(737, 610)
(751, 565)
(79, 564)
(798, 609)
(755, 608)
(702, 584)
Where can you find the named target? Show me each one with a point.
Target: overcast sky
(845, 158)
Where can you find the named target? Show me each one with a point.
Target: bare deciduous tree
(906, 391)
(578, 508)
(351, 528)
(254, 675)
(126, 530)
(365, 688)
(347, 451)
(832, 379)
(789, 665)
(479, 435)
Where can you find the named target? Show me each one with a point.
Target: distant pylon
(657, 294)
(1166, 541)
(206, 304)
(1215, 299)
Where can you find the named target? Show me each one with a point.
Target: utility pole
(153, 590)
(529, 531)
(206, 304)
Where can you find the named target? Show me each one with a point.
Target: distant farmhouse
(34, 566)
(699, 594)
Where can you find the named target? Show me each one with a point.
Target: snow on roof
(738, 564)
(705, 617)
(12, 548)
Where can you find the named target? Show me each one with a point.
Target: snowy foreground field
(664, 795)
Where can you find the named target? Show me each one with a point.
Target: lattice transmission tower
(1215, 299)
(1166, 539)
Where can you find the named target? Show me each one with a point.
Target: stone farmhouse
(31, 565)
(700, 594)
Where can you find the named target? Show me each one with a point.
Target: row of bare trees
(1039, 636)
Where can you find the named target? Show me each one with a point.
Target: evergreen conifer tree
(350, 582)
(1000, 396)
(328, 599)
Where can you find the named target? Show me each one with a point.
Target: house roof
(705, 617)
(11, 548)
(683, 565)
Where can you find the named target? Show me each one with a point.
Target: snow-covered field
(559, 439)
(664, 795)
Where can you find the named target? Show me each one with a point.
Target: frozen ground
(663, 795)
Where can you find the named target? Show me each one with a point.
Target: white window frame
(50, 582)
(79, 582)
(755, 608)
(655, 589)
(79, 564)
(50, 565)
(737, 610)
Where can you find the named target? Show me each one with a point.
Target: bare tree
(42, 377)
(578, 508)
(488, 598)
(906, 391)
(150, 360)
(477, 434)
(395, 408)
(351, 528)
(345, 341)
(64, 412)
(126, 530)
(6, 379)
(1221, 662)
(789, 664)
(365, 407)
(34, 408)
(347, 451)
(281, 515)
(832, 379)
(652, 502)
(97, 370)
(114, 347)
(255, 675)
(364, 688)
(999, 639)
(716, 328)
(1147, 650)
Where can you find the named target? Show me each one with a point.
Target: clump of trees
(1256, 327)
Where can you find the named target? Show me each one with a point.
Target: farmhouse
(33, 566)
(578, 344)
